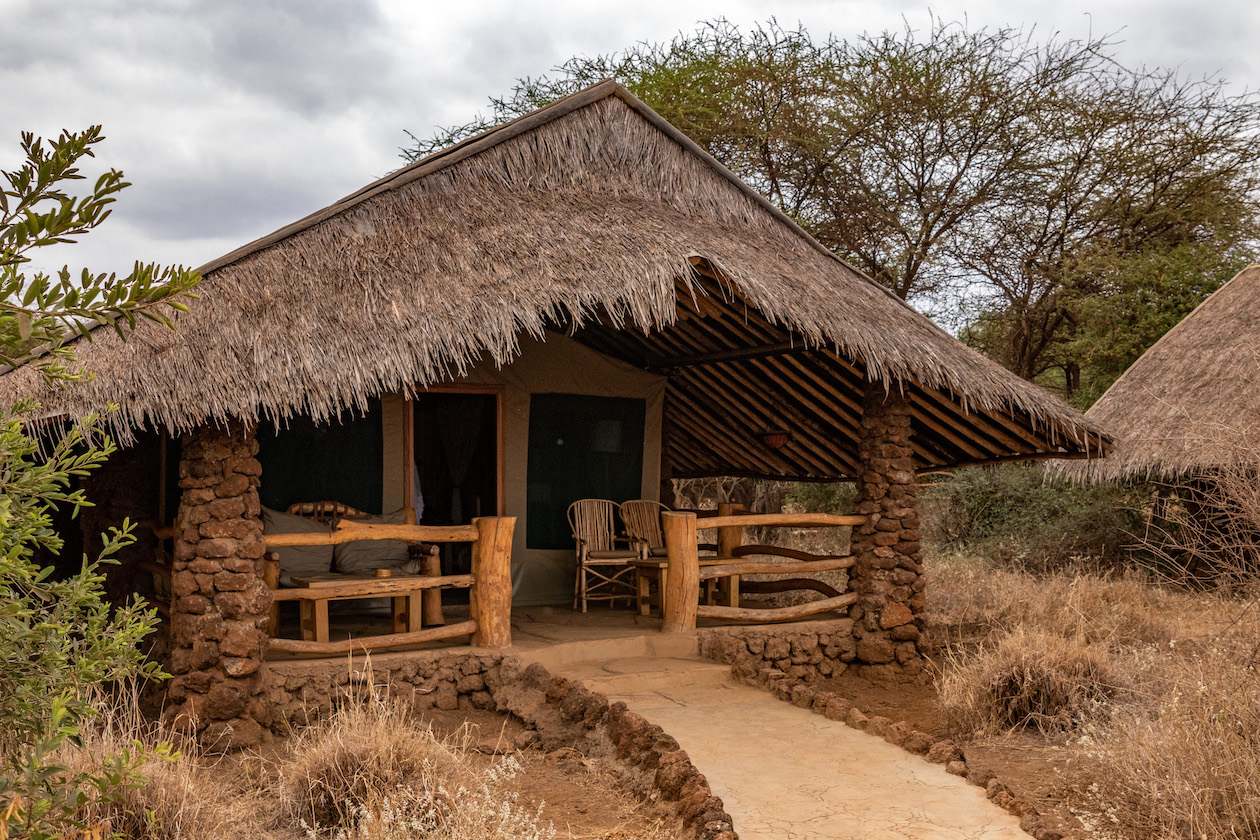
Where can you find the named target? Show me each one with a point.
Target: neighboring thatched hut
(1192, 401)
(624, 306)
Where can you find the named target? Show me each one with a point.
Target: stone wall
(558, 713)
(888, 572)
(220, 604)
(807, 652)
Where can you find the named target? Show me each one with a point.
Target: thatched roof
(1192, 401)
(596, 217)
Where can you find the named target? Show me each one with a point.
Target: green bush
(1015, 515)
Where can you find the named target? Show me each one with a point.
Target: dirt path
(787, 774)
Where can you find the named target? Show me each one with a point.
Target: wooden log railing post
(490, 600)
(681, 586)
(729, 538)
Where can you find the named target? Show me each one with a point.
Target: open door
(458, 445)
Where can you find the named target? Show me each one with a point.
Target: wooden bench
(314, 592)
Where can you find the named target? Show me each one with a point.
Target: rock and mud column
(888, 571)
(220, 603)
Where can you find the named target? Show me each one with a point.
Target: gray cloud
(236, 117)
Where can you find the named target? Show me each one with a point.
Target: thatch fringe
(587, 210)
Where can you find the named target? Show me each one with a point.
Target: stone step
(558, 658)
(642, 674)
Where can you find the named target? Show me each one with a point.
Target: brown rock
(837, 708)
(918, 742)
(232, 581)
(945, 752)
(225, 700)
(895, 615)
(226, 508)
(230, 735)
(241, 639)
(233, 485)
(183, 583)
(244, 466)
(856, 719)
(904, 633)
(216, 548)
(232, 528)
(980, 778)
(956, 768)
(875, 650)
(895, 733)
(202, 566)
(878, 725)
(239, 666)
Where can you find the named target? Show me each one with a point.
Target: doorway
(458, 445)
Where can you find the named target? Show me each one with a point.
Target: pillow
(361, 557)
(303, 560)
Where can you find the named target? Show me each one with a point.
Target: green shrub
(1013, 514)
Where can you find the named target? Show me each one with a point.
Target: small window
(580, 447)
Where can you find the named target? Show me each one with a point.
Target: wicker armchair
(604, 572)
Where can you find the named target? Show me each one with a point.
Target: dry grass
(180, 797)
(1029, 679)
(970, 599)
(362, 757)
(1157, 689)
(1185, 761)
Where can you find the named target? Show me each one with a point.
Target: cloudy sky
(235, 117)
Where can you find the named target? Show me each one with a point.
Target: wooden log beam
(780, 551)
(771, 567)
(366, 643)
(682, 578)
(347, 531)
(733, 354)
(768, 587)
(777, 613)
(785, 520)
(490, 601)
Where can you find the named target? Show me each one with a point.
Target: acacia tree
(993, 179)
(59, 638)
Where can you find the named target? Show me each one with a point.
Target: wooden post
(729, 538)
(681, 587)
(271, 577)
(490, 599)
(431, 566)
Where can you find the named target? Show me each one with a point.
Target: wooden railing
(489, 584)
(684, 574)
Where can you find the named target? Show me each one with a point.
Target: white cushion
(363, 556)
(298, 561)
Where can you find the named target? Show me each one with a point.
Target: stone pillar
(888, 573)
(220, 604)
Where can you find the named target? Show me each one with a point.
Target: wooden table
(653, 568)
(315, 591)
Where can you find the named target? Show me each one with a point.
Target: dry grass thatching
(1192, 401)
(590, 214)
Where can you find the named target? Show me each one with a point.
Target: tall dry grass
(1156, 687)
(179, 796)
(374, 772)
(1184, 761)
(1030, 679)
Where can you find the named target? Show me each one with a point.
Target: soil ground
(1033, 767)
(580, 795)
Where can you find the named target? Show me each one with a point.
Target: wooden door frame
(409, 439)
